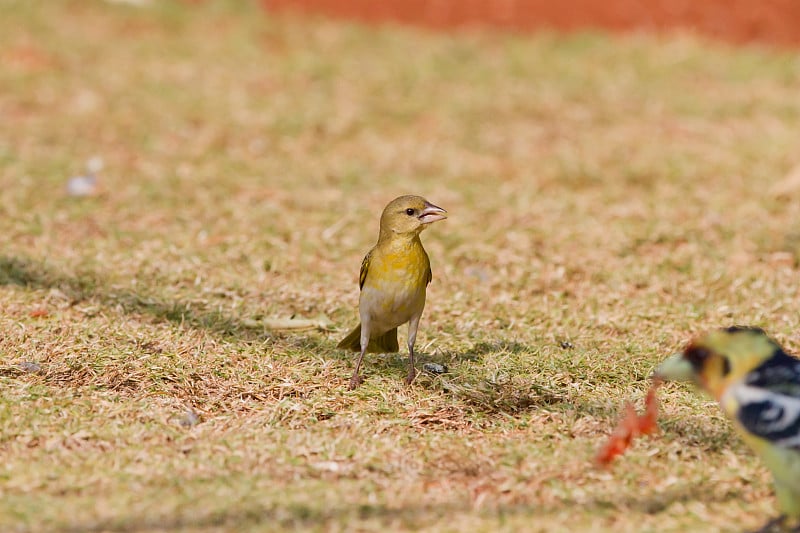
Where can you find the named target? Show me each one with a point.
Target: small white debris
(82, 186)
(29, 367)
(88, 185)
(94, 165)
(189, 419)
(434, 368)
(329, 466)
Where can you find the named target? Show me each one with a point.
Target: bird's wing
(429, 272)
(769, 401)
(362, 276)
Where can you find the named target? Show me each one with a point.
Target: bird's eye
(726, 366)
(409, 211)
(697, 356)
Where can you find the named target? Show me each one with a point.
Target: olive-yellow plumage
(757, 385)
(394, 277)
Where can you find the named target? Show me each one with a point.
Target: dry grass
(608, 199)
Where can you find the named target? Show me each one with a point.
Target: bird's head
(409, 215)
(719, 358)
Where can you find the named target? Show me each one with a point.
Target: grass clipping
(631, 426)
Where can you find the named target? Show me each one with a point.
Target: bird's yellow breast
(404, 264)
(394, 287)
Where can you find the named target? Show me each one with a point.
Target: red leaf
(631, 426)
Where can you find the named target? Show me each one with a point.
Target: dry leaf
(631, 426)
(789, 185)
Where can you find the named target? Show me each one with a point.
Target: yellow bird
(394, 277)
(758, 386)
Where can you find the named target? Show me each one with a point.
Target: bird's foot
(412, 374)
(773, 526)
(355, 381)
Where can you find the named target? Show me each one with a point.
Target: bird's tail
(386, 343)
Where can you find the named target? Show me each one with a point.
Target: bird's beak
(432, 213)
(675, 368)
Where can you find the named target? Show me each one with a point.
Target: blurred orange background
(771, 21)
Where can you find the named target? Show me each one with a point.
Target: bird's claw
(355, 381)
(412, 374)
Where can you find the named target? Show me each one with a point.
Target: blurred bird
(393, 279)
(758, 386)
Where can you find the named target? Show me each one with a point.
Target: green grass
(609, 197)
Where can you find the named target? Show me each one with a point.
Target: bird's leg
(412, 373)
(355, 381)
(413, 324)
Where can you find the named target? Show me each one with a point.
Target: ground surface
(609, 198)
